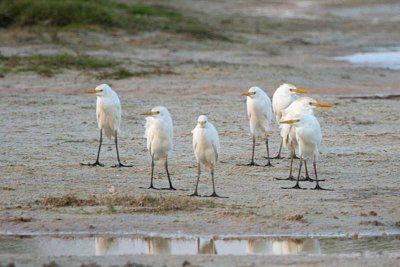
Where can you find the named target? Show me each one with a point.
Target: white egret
(206, 149)
(282, 98)
(309, 137)
(108, 113)
(259, 112)
(302, 105)
(159, 134)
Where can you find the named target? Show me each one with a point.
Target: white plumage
(108, 110)
(108, 113)
(282, 98)
(259, 112)
(309, 137)
(302, 105)
(159, 133)
(296, 108)
(206, 148)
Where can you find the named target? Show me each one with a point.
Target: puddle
(134, 245)
(386, 59)
(387, 12)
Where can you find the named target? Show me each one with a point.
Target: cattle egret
(159, 134)
(206, 149)
(108, 112)
(282, 98)
(259, 112)
(302, 105)
(309, 137)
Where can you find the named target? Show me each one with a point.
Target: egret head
(101, 90)
(311, 102)
(156, 111)
(291, 89)
(202, 121)
(292, 121)
(299, 119)
(253, 92)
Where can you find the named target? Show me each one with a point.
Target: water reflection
(206, 246)
(192, 246)
(295, 246)
(117, 245)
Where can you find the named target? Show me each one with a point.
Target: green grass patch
(48, 65)
(99, 13)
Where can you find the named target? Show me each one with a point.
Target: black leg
(116, 147)
(252, 163)
(169, 178)
(317, 187)
(195, 194)
(152, 174)
(269, 160)
(290, 178)
(308, 178)
(279, 152)
(214, 194)
(96, 163)
(297, 186)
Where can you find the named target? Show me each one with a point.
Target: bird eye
(158, 112)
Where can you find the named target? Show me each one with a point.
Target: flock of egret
(300, 130)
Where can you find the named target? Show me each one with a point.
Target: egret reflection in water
(45, 246)
(295, 246)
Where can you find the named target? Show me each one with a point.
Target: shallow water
(385, 59)
(134, 245)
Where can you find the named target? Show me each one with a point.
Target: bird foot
(276, 157)
(168, 188)
(290, 178)
(120, 165)
(150, 187)
(308, 179)
(249, 164)
(297, 186)
(268, 165)
(317, 187)
(93, 164)
(295, 157)
(195, 194)
(215, 195)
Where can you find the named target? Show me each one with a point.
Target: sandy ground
(48, 128)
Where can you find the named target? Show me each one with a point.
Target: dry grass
(294, 217)
(144, 203)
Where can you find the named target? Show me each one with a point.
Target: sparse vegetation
(104, 14)
(144, 203)
(123, 73)
(48, 65)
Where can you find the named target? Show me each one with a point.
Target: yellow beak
(289, 121)
(322, 105)
(149, 113)
(300, 91)
(248, 93)
(92, 91)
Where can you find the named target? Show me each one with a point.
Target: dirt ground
(48, 129)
